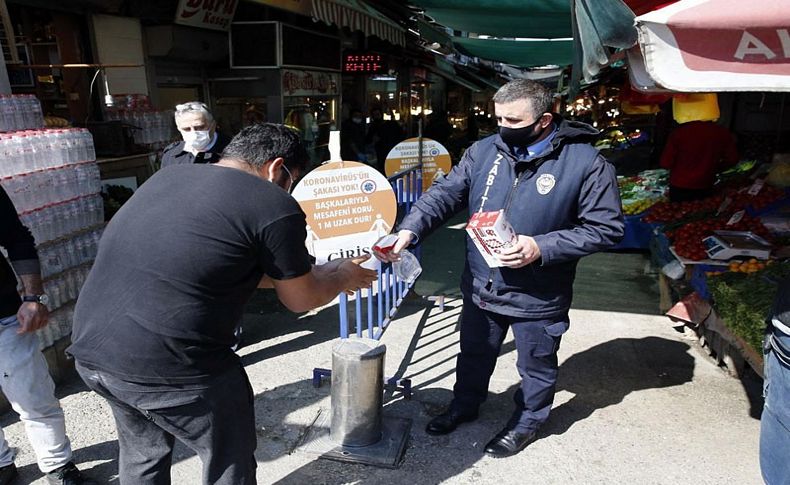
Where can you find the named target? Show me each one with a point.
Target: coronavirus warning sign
(435, 159)
(349, 206)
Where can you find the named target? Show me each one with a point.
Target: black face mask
(520, 137)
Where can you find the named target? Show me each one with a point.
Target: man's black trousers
(216, 421)
(537, 341)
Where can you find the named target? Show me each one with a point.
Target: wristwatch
(42, 298)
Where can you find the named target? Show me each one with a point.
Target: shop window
(253, 44)
(309, 49)
(314, 117)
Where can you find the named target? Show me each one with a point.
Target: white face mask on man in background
(196, 131)
(196, 140)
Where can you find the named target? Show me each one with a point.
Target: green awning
(548, 19)
(522, 53)
(480, 79)
(454, 77)
(358, 15)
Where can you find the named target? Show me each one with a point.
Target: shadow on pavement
(605, 374)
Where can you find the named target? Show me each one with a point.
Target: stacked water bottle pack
(20, 112)
(54, 182)
(155, 128)
(30, 150)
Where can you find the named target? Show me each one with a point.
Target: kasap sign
(435, 159)
(206, 14)
(349, 206)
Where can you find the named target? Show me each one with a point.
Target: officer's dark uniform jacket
(174, 154)
(565, 197)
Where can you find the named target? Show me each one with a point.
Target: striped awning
(357, 15)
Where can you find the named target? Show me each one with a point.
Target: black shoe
(68, 474)
(447, 422)
(7, 474)
(509, 442)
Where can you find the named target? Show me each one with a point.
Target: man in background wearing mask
(561, 197)
(201, 142)
(352, 137)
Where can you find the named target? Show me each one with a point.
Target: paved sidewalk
(637, 403)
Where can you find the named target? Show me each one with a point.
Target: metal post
(354, 430)
(357, 392)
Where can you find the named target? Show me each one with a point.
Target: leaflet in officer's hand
(491, 233)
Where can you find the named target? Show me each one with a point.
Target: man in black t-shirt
(154, 322)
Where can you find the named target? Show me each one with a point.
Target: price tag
(724, 204)
(736, 218)
(756, 187)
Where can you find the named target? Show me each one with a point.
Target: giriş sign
(206, 14)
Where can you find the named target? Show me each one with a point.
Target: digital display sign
(364, 63)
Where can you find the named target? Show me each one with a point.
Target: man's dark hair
(263, 142)
(539, 96)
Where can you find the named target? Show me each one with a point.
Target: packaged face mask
(196, 140)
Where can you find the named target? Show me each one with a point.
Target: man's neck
(236, 164)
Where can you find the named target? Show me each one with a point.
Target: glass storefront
(311, 105)
(314, 117)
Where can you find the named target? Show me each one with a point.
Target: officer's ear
(545, 119)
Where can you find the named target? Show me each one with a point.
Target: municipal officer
(561, 197)
(201, 142)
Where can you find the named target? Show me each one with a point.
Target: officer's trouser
(537, 341)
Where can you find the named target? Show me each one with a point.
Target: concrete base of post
(354, 430)
(387, 452)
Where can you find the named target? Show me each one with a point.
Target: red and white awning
(357, 15)
(718, 45)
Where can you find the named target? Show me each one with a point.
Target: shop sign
(349, 206)
(435, 159)
(364, 63)
(310, 83)
(206, 14)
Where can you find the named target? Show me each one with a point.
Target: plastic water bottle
(4, 110)
(408, 268)
(91, 146)
(37, 112)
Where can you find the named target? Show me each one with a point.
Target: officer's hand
(404, 239)
(355, 276)
(31, 316)
(524, 252)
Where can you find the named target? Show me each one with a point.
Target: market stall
(720, 257)
(731, 249)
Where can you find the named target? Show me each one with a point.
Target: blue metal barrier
(376, 306)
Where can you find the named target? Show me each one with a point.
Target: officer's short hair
(260, 143)
(541, 98)
(194, 107)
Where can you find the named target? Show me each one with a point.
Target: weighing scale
(733, 244)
